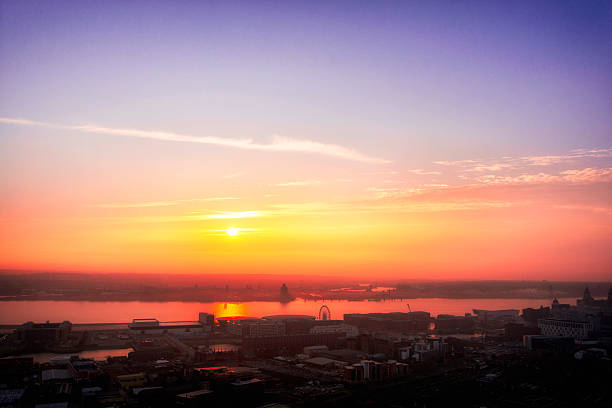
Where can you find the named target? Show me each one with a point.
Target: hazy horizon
(292, 277)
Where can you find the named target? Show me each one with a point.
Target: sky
(416, 140)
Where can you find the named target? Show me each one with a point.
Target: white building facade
(565, 328)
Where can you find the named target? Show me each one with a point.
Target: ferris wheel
(324, 313)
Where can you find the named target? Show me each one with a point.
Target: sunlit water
(14, 312)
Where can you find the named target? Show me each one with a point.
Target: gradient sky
(438, 140)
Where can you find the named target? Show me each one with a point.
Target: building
(531, 315)
(447, 323)
(155, 327)
(507, 315)
(424, 350)
(252, 327)
(255, 327)
(264, 329)
(289, 343)
(143, 323)
(566, 328)
(548, 343)
(285, 296)
(516, 331)
(590, 305)
(129, 381)
(412, 322)
(346, 329)
(84, 369)
(207, 319)
(368, 370)
(325, 363)
(41, 334)
(301, 324)
(235, 324)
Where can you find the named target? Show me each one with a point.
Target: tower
(285, 296)
(587, 295)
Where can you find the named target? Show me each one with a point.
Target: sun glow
(232, 232)
(231, 310)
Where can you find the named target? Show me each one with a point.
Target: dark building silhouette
(285, 296)
(587, 295)
(531, 315)
(40, 335)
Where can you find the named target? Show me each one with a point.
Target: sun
(232, 232)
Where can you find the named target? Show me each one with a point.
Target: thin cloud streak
(588, 175)
(163, 203)
(422, 172)
(478, 165)
(233, 215)
(277, 144)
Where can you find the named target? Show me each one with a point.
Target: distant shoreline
(327, 299)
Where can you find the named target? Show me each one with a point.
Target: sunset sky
(417, 140)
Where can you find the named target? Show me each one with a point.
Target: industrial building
(566, 328)
(153, 326)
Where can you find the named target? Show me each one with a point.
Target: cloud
(379, 190)
(523, 178)
(542, 160)
(232, 215)
(277, 144)
(588, 175)
(454, 163)
(297, 183)
(422, 172)
(162, 203)
(492, 167)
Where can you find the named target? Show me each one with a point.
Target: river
(17, 312)
(98, 355)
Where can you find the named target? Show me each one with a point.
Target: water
(14, 312)
(98, 355)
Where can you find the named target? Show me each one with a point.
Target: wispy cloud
(162, 203)
(490, 167)
(297, 183)
(588, 175)
(454, 163)
(277, 144)
(422, 172)
(229, 215)
(479, 165)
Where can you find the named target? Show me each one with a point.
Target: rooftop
(289, 317)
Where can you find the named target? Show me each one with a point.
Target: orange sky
(551, 223)
(405, 141)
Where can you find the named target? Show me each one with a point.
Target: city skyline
(416, 141)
